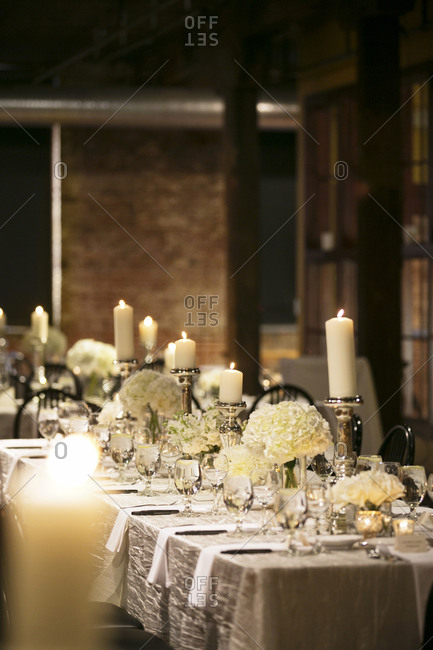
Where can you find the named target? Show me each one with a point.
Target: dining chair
(45, 398)
(61, 377)
(281, 393)
(356, 433)
(399, 445)
(20, 370)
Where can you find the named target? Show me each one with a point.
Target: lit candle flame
(340, 313)
(1, 311)
(122, 304)
(148, 321)
(184, 335)
(232, 365)
(39, 310)
(172, 346)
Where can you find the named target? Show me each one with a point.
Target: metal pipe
(148, 108)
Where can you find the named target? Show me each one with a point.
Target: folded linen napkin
(199, 595)
(115, 541)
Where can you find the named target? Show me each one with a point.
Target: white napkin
(202, 581)
(10, 473)
(114, 542)
(158, 573)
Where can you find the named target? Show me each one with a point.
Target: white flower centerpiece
(92, 362)
(286, 431)
(149, 393)
(195, 434)
(242, 460)
(369, 490)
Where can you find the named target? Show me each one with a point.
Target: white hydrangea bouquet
(208, 382)
(195, 434)
(149, 393)
(285, 431)
(91, 358)
(242, 460)
(367, 490)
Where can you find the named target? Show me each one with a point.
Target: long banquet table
(339, 599)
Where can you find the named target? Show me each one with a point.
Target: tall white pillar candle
(184, 354)
(39, 322)
(3, 322)
(169, 356)
(124, 331)
(231, 382)
(148, 329)
(340, 345)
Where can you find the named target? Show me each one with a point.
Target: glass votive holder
(403, 526)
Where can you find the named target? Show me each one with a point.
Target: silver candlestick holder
(39, 379)
(343, 408)
(126, 368)
(184, 377)
(230, 430)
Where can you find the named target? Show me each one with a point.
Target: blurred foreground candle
(184, 354)
(124, 331)
(169, 356)
(340, 347)
(231, 385)
(50, 566)
(40, 324)
(148, 329)
(2, 322)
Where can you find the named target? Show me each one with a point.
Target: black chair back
(59, 376)
(283, 393)
(356, 433)
(399, 445)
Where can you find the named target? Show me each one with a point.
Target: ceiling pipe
(149, 108)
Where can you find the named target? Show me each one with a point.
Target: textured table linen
(338, 600)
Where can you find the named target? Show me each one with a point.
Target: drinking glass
(366, 463)
(122, 450)
(430, 486)
(215, 468)
(415, 485)
(290, 506)
(238, 497)
(318, 502)
(187, 479)
(265, 485)
(148, 462)
(392, 467)
(170, 453)
(74, 416)
(48, 423)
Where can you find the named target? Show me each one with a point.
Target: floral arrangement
(148, 390)
(209, 381)
(195, 435)
(368, 489)
(284, 431)
(242, 460)
(89, 358)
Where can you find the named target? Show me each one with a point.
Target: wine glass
(187, 479)
(290, 506)
(74, 416)
(48, 423)
(100, 432)
(170, 453)
(430, 486)
(318, 502)
(148, 462)
(215, 468)
(392, 467)
(238, 497)
(415, 485)
(265, 485)
(122, 450)
(367, 462)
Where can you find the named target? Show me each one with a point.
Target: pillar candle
(39, 321)
(169, 356)
(124, 331)
(2, 322)
(184, 354)
(340, 347)
(231, 385)
(148, 329)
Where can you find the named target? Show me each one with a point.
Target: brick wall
(153, 234)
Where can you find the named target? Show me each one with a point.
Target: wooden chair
(399, 445)
(283, 393)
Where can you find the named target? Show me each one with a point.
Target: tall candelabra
(184, 377)
(230, 430)
(343, 408)
(126, 368)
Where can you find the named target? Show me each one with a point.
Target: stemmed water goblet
(147, 462)
(265, 484)
(101, 434)
(215, 468)
(122, 450)
(170, 453)
(74, 416)
(414, 480)
(290, 506)
(187, 479)
(318, 502)
(368, 462)
(430, 486)
(322, 464)
(48, 423)
(238, 497)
